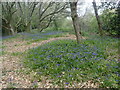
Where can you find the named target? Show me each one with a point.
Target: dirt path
(13, 73)
(21, 46)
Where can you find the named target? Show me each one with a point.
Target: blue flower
(116, 73)
(99, 78)
(39, 72)
(41, 55)
(58, 76)
(73, 57)
(95, 47)
(35, 82)
(94, 54)
(72, 67)
(107, 65)
(66, 83)
(34, 59)
(77, 68)
(87, 52)
(35, 53)
(81, 59)
(75, 48)
(114, 60)
(59, 56)
(48, 56)
(106, 78)
(96, 59)
(116, 66)
(57, 64)
(70, 75)
(76, 60)
(98, 66)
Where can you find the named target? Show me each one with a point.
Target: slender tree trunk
(9, 29)
(73, 7)
(12, 30)
(55, 24)
(97, 17)
(28, 27)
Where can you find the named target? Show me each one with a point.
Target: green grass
(3, 53)
(106, 43)
(16, 53)
(12, 37)
(2, 46)
(66, 61)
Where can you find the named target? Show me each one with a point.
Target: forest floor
(13, 72)
(15, 75)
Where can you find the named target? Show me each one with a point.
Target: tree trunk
(27, 28)
(97, 17)
(55, 24)
(9, 29)
(75, 19)
(12, 30)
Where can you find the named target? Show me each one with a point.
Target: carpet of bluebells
(35, 36)
(65, 61)
(43, 35)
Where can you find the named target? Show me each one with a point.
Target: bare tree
(7, 15)
(75, 19)
(48, 14)
(97, 17)
(26, 13)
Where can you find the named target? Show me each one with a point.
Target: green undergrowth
(106, 43)
(3, 53)
(65, 61)
(16, 53)
(12, 37)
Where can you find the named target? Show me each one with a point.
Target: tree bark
(27, 28)
(55, 25)
(26, 13)
(97, 17)
(75, 19)
(7, 17)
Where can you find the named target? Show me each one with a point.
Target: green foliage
(107, 44)
(89, 25)
(2, 53)
(110, 18)
(66, 61)
(110, 23)
(64, 25)
(16, 53)
(67, 25)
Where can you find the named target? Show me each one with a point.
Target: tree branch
(50, 20)
(53, 13)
